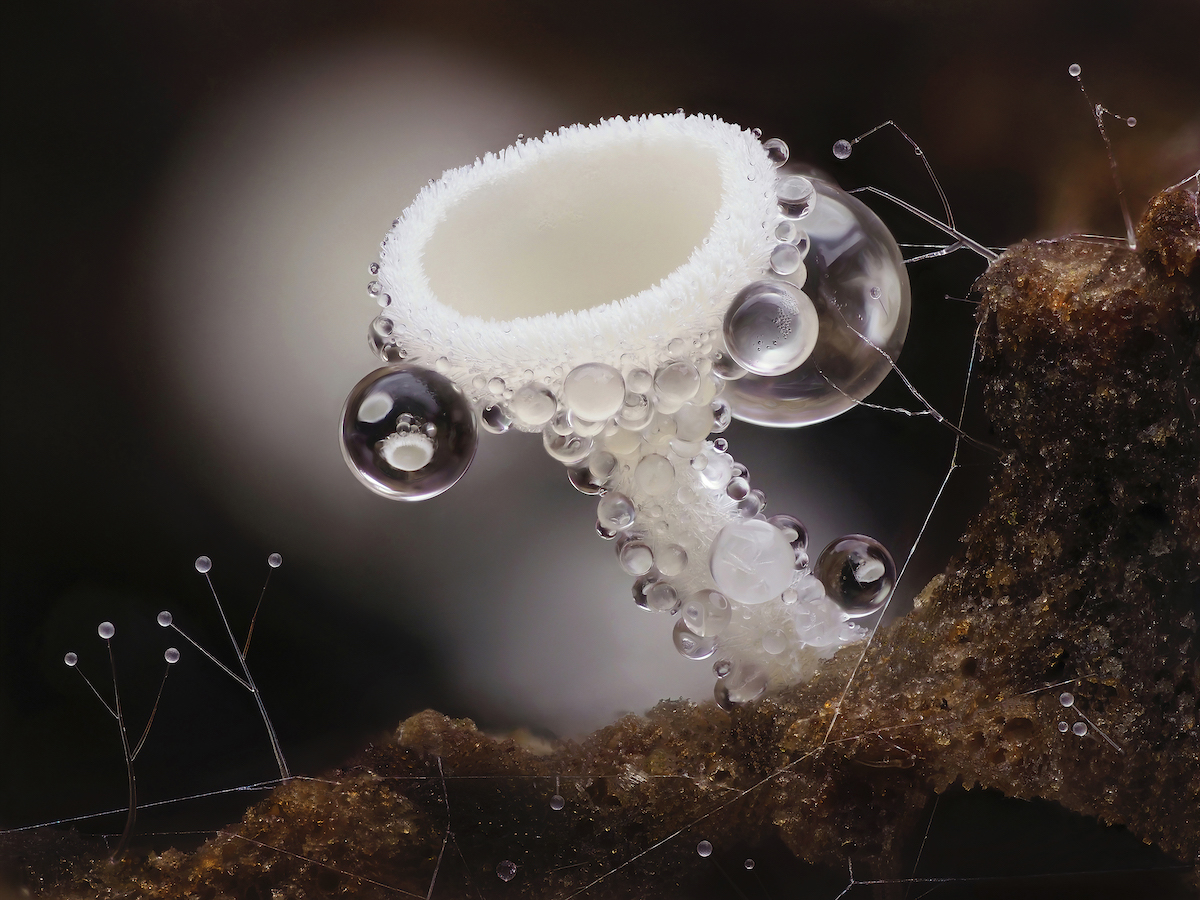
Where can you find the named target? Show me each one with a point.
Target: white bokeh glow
(254, 282)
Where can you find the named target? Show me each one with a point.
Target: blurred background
(192, 195)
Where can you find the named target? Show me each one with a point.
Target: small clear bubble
(71, 659)
(704, 848)
(1074, 70)
(1064, 727)
(662, 597)
(506, 870)
(583, 480)
(373, 268)
(777, 151)
(636, 558)
(677, 382)
(557, 802)
(203, 564)
(738, 488)
(533, 405)
(750, 562)
(1066, 698)
(794, 531)
(771, 327)
(495, 418)
(171, 655)
(566, 448)
(164, 618)
(105, 630)
(616, 511)
(385, 300)
(671, 559)
(408, 433)
(785, 259)
(1079, 729)
(374, 288)
(795, 195)
(706, 613)
(594, 391)
(275, 560)
(722, 668)
(721, 445)
(858, 574)
(842, 149)
(774, 642)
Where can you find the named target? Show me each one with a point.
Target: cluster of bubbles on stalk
(683, 516)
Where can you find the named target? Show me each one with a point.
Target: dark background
(102, 515)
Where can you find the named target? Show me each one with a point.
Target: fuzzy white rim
(687, 304)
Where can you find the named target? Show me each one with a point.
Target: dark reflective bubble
(858, 574)
(856, 280)
(408, 433)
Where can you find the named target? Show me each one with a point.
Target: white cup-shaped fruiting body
(611, 286)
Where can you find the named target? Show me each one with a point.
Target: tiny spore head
(171, 656)
(71, 659)
(704, 848)
(1066, 698)
(557, 802)
(1074, 70)
(275, 560)
(164, 618)
(105, 630)
(842, 148)
(1079, 729)
(203, 564)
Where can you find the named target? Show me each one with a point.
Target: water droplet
(737, 488)
(442, 364)
(557, 802)
(654, 474)
(1074, 70)
(373, 268)
(636, 558)
(171, 655)
(751, 562)
(385, 300)
(408, 433)
(742, 684)
(615, 511)
(582, 480)
(71, 659)
(720, 445)
(1079, 729)
(706, 613)
(722, 414)
(495, 418)
(789, 596)
(849, 250)
(1064, 727)
(785, 259)
(777, 151)
(677, 382)
(774, 642)
(506, 869)
(1131, 121)
(533, 405)
(726, 367)
(752, 504)
(275, 560)
(496, 386)
(567, 448)
(795, 533)
(704, 848)
(771, 327)
(203, 564)
(842, 148)
(594, 391)
(749, 864)
(671, 559)
(722, 667)
(662, 597)
(795, 195)
(165, 618)
(105, 630)
(1066, 698)
(875, 292)
(643, 584)
(374, 288)
(788, 231)
(858, 574)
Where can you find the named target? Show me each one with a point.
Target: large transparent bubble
(857, 282)
(408, 433)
